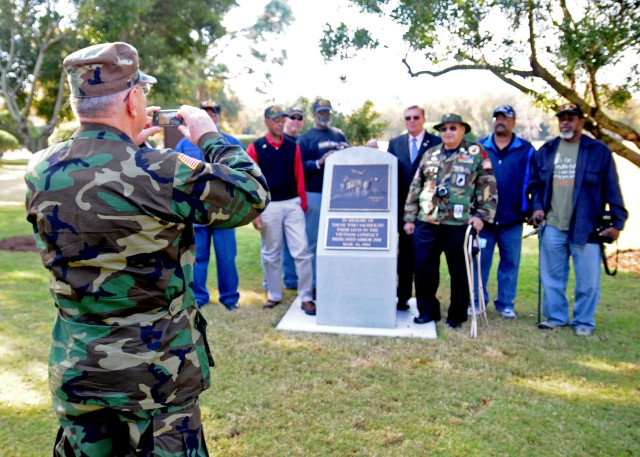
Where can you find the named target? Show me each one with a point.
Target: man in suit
(408, 148)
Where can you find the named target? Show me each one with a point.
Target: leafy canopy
(583, 51)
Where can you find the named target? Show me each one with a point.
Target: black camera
(605, 222)
(166, 118)
(442, 191)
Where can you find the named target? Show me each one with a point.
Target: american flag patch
(188, 161)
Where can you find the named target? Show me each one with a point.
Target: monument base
(295, 320)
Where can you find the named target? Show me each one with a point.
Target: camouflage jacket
(449, 190)
(114, 225)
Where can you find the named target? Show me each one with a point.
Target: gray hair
(93, 107)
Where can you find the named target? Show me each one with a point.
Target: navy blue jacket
(596, 185)
(399, 147)
(512, 171)
(314, 143)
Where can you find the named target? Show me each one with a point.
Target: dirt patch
(19, 243)
(628, 260)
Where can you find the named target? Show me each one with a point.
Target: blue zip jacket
(596, 184)
(512, 171)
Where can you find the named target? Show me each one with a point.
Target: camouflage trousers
(95, 431)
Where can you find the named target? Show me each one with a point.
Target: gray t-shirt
(564, 178)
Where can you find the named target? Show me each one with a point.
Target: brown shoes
(309, 308)
(270, 304)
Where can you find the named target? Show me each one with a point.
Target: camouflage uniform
(466, 176)
(114, 225)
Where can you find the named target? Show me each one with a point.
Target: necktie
(414, 149)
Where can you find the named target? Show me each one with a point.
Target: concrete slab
(295, 320)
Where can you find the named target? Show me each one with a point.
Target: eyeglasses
(452, 128)
(296, 118)
(415, 118)
(146, 88)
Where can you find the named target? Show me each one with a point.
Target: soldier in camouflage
(113, 219)
(453, 187)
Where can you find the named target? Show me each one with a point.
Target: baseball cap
(507, 110)
(210, 104)
(452, 118)
(274, 112)
(570, 108)
(104, 69)
(294, 111)
(322, 105)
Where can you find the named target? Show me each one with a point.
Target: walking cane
(538, 232)
(471, 251)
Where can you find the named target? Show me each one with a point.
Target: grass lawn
(514, 391)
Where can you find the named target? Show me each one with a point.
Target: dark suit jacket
(399, 147)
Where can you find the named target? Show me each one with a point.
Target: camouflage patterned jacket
(464, 181)
(114, 225)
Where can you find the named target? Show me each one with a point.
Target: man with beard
(573, 179)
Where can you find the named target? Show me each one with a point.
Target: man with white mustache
(573, 179)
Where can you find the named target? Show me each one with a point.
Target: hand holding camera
(196, 122)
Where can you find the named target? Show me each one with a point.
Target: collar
(272, 141)
(419, 138)
(101, 132)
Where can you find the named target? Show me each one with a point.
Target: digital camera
(605, 222)
(166, 118)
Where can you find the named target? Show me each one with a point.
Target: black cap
(570, 108)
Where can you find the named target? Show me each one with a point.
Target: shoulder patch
(188, 161)
(474, 149)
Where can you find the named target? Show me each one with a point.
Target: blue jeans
(312, 216)
(509, 241)
(224, 243)
(554, 272)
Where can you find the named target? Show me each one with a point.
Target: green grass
(514, 391)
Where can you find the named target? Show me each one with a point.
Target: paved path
(12, 185)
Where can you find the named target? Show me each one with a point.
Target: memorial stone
(357, 242)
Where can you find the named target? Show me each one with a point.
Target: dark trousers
(430, 241)
(406, 266)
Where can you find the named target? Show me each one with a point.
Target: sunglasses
(296, 118)
(415, 118)
(452, 128)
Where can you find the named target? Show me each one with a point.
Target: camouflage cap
(104, 69)
(274, 112)
(452, 118)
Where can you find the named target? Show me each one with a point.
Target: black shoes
(231, 306)
(402, 306)
(454, 325)
(422, 319)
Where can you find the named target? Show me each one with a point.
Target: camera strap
(604, 260)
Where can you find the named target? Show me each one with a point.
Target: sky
(377, 75)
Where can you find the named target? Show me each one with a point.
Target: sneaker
(508, 314)
(470, 312)
(582, 331)
(454, 325)
(546, 325)
(231, 306)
